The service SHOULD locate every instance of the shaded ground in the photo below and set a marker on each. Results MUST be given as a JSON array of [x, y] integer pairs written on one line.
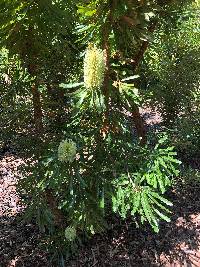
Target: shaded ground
[[177, 244], [18, 241]]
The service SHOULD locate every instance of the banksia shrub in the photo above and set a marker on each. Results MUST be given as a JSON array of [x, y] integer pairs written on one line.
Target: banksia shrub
[[67, 151], [94, 67]]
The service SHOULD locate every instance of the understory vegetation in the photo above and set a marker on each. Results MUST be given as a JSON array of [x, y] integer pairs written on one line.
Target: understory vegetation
[[76, 78]]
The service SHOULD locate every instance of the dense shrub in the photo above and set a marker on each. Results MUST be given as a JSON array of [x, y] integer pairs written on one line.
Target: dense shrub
[[71, 89]]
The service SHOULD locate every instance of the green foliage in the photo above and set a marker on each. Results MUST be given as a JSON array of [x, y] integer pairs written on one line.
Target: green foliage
[[15, 97], [173, 62], [186, 134], [38, 49], [88, 186], [33, 20], [141, 192]]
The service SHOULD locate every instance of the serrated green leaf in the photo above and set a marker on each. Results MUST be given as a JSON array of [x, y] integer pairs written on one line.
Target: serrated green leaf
[[161, 184], [136, 203], [161, 215], [161, 161], [130, 78], [169, 158], [148, 211], [70, 85], [158, 203], [82, 97], [114, 202], [164, 200]]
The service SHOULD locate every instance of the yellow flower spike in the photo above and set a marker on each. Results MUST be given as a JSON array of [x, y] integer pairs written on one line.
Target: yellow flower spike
[[94, 67]]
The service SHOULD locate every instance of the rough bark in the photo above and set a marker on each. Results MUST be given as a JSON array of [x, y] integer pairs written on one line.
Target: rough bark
[[106, 46], [139, 56], [139, 125], [106, 79], [36, 98]]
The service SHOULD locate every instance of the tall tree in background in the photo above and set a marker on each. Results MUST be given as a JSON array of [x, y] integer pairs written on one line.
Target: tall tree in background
[[35, 30]]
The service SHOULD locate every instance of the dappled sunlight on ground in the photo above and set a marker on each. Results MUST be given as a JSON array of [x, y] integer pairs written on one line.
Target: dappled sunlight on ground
[[10, 202], [18, 240], [177, 244]]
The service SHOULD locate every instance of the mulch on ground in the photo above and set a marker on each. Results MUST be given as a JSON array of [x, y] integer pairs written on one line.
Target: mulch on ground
[[177, 243]]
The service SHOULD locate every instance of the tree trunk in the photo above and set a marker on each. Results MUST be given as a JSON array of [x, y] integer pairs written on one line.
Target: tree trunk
[[139, 56], [139, 125], [138, 120], [37, 105], [106, 46], [106, 79]]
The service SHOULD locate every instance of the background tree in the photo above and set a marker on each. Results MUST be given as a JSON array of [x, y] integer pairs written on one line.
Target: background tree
[[38, 32]]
